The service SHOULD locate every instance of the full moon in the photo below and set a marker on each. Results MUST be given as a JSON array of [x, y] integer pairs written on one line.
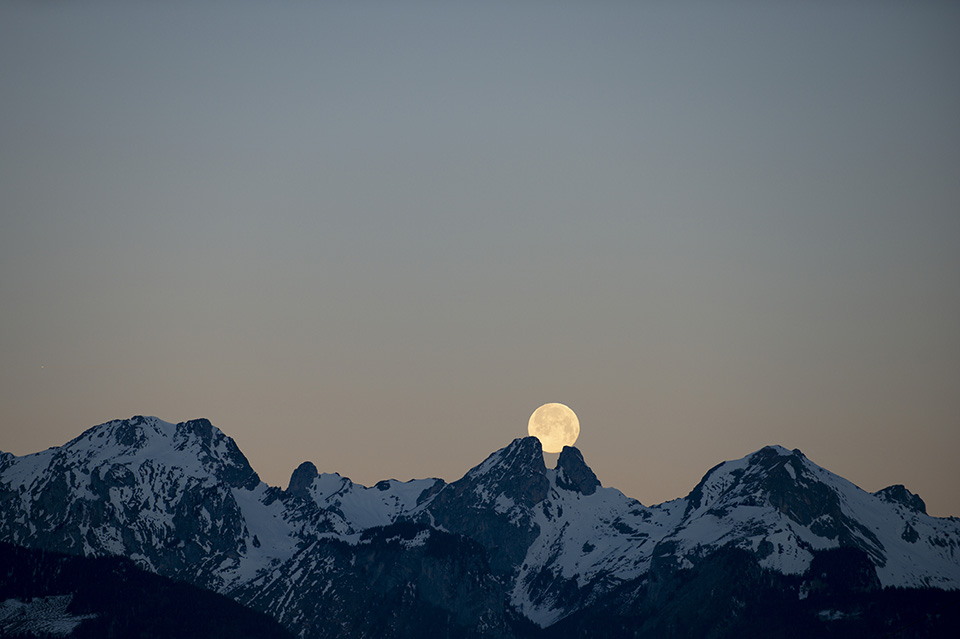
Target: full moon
[[555, 425]]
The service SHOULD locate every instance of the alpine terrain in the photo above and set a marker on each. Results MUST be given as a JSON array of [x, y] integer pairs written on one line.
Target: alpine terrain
[[767, 544]]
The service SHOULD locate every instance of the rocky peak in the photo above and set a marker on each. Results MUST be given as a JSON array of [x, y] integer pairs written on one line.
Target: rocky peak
[[492, 503], [199, 430], [899, 494], [129, 433], [772, 475], [196, 445], [770, 470], [216, 451], [775, 458], [516, 472], [522, 452], [798, 489], [574, 474], [302, 478], [508, 528]]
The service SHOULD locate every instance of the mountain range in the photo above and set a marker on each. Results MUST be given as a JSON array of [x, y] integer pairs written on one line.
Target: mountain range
[[770, 542]]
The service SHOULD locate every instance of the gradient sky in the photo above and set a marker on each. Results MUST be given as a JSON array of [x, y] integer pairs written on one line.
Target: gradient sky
[[378, 235]]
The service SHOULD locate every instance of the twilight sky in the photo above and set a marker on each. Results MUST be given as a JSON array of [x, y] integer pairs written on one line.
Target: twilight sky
[[378, 235]]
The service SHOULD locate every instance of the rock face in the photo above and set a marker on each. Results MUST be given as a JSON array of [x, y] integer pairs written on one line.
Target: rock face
[[302, 478], [898, 494], [493, 503], [509, 547], [142, 488], [404, 580], [574, 474]]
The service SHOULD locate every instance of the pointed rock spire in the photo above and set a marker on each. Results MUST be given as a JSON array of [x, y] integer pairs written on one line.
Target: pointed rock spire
[[574, 474], [302, 478], [516, 471]]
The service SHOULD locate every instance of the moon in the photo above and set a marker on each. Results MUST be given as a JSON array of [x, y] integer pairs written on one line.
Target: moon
[[555, 425]]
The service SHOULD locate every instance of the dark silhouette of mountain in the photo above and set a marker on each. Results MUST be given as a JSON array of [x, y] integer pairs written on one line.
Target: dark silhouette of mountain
[[512, 549], [45, 593]]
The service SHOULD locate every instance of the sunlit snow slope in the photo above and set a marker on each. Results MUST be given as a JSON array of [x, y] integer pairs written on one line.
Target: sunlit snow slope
[[182, 500]]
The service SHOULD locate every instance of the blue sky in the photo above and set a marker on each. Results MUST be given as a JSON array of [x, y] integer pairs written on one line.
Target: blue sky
[[379, 235]]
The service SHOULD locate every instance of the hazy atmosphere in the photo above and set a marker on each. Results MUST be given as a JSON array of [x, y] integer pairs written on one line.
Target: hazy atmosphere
[[377, 236]]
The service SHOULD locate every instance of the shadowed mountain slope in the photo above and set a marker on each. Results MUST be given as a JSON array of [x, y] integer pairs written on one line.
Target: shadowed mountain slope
[[509, 547]]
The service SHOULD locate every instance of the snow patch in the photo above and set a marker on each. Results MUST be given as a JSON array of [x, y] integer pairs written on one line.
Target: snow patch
[[39, 616]]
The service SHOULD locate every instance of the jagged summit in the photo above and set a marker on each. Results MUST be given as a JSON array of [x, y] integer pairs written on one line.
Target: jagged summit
[[182, 501], [783, 507], [196, 446], [770, 469], [574, 474], [301, 479], [139, 487], [899, 494], [493, 502], [523, 453], [516, 472], [123, 435], [777, 478]]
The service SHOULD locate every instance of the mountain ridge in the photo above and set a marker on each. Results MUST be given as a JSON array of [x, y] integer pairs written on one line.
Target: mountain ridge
[[534, 543]]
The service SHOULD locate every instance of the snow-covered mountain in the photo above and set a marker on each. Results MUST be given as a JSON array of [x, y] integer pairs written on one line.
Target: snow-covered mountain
[[510, 543], [781, 506]]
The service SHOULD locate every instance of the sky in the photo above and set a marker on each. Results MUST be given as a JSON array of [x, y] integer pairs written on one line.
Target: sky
[[377, 236]]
